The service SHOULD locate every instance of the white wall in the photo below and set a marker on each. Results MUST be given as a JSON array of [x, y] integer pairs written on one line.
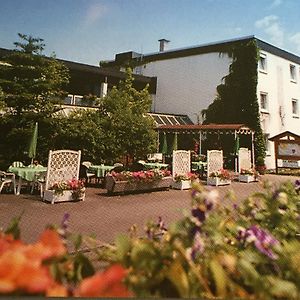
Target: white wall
[[187, 85], [280, 89]]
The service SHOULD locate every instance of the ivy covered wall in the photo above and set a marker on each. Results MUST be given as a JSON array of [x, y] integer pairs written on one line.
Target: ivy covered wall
[[236, 100]]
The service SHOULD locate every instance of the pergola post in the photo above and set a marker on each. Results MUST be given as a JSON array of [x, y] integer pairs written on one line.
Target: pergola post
[[200, 142], [252, 148]]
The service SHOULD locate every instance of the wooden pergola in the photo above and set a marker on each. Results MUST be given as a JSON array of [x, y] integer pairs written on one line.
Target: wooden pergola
[[201, 130]]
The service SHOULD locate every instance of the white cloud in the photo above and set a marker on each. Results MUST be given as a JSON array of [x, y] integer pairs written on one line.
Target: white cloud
[[276, 3], [295, 39], [271, 26], [94, 12]]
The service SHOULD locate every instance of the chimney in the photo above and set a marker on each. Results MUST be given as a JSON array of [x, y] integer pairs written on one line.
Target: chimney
[[162, 44]]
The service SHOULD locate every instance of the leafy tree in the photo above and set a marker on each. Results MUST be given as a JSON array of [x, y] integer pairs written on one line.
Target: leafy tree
[[31, 85], [236, 101], [131, 128], [119, 126]]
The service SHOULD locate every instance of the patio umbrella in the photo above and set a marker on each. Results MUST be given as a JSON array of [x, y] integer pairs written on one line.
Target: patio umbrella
[[33, 142], [174, 144], [236, 145], [164, 147], [236, 152]]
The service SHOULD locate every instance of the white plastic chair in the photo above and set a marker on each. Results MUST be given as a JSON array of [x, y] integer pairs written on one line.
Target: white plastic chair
[[214, 162], [88, 174], [181, 163], [63, 165], [17, 164], [244, 159], [155, 157], [7, 179]]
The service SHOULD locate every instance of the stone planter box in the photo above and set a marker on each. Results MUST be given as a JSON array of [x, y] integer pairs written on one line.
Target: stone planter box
[[181, 185], [115, 187], [50, 196], [216, 181], [246, 178]]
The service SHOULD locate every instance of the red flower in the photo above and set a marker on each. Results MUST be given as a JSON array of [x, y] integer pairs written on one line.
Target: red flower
[[106, 284]]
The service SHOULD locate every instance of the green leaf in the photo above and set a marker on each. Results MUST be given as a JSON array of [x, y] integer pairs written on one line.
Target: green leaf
[[284, 289], [14, 228], [83, 267], [123, 245], [248, 272], [219, 277], [177, 275]]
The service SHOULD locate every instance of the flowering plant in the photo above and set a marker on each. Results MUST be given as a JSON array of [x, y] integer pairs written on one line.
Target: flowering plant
[[140, 176], [188, 176], [246, 251], [223, 174], [248, 172], [74, 185], [45, 268]]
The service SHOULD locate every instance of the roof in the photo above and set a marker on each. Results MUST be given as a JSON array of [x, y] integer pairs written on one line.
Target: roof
[[287, 134], [169, 119], [205, 48], [75, 66], [239, 128]]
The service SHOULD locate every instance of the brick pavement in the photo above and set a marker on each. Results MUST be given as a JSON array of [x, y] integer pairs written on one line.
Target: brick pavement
[[105, 215]]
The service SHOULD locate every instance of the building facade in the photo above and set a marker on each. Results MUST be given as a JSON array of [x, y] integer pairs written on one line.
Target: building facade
[[187, 80]]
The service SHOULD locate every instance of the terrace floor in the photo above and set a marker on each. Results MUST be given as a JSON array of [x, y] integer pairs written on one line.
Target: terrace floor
[[105, 216]]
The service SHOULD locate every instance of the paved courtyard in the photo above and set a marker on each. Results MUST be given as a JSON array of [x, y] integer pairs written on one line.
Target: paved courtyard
[[105, 216]]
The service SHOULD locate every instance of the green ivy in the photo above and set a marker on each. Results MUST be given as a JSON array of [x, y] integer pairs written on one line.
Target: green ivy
[[236, 101]]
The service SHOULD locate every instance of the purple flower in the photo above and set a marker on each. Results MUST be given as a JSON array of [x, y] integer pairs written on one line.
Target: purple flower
[[198, 214], [263, 240], [161, 224], [65, 221], [198, 246]]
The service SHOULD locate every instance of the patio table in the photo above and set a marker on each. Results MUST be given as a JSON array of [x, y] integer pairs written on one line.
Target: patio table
[[149, 165], [100, 170], [26, 173]]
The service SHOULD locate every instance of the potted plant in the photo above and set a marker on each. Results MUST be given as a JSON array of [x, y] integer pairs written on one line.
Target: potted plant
[[67, 190], [260, 165], [248, 175], [221, 177], [183, 182], [126, 181]]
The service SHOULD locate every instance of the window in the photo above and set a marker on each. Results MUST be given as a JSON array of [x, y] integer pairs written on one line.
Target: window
[[68, 99], [293, 75], [77, 100], [262, 63], [264, 102], [267, 142], [295, 108]]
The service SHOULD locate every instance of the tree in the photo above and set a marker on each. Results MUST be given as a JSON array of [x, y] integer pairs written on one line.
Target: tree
[[127, 121], [31, 82], [236, 100], [31, 85]]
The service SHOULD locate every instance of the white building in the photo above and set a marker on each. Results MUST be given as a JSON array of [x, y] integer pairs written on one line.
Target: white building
[[187, 80]]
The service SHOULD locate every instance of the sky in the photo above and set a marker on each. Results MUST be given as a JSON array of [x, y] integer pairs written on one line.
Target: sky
[[88, 31]]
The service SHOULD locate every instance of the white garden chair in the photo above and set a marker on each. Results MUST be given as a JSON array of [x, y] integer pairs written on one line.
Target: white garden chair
[[244, 162], [181, 164], [155, 157], [214, 162], [244, 159], [7, 179], [63, 165]]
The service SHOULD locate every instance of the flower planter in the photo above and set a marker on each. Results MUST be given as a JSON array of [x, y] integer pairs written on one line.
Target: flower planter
[[246, 178], [181, 185], [114, 187], [217, 181], [50, 196]]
